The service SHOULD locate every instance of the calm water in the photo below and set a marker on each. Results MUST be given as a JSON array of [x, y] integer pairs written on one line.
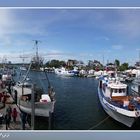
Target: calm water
[[77, 106]]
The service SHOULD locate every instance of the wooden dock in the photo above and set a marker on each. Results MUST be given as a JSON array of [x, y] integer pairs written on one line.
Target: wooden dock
[[13, 125]]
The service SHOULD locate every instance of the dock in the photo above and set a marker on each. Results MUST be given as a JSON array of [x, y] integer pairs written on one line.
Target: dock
[[13, 125]]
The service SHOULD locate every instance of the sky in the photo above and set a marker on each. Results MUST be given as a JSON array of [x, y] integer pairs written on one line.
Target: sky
[[70, 3], [82, 34]]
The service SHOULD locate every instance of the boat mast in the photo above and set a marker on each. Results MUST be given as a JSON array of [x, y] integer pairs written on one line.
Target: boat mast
[[36, 58], [36, 47], [36, 44]]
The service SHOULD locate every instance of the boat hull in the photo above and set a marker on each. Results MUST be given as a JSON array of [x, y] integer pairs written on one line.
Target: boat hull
[[126, 120], [41, 109]]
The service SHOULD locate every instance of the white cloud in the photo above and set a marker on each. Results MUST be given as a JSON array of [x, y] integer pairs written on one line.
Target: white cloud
[[57, 54], [117, 47], [11, 25], [127, 23], [102, 38], [6, 24]]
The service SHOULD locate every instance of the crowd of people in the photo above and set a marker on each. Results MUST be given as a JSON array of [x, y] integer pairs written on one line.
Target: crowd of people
[[10, 115]]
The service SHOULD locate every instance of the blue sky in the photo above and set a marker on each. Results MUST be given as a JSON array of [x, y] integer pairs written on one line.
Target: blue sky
[[82, 34], [69, 3]]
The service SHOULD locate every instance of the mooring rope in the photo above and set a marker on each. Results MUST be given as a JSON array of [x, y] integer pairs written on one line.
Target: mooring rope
[[93, 127]]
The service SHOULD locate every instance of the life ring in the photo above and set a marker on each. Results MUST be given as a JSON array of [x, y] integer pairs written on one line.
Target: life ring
[[137, 114]]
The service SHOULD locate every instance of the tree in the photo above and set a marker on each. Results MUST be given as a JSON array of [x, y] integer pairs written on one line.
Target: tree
[[124, 67], [117, 63], [55, 63]]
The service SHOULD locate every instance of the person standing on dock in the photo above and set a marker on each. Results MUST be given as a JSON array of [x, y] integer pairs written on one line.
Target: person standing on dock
[[7, 120], [4, 99], [14, 115], [9, 88], [15, 98], [9, 110], [23, 119]]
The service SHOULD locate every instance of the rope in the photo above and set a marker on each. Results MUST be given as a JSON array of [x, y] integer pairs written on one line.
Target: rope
[[93, 127]]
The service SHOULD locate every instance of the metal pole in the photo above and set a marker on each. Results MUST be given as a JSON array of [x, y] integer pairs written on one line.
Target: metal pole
[[33, 108], [23, 89], [49, 84], [50, 121]]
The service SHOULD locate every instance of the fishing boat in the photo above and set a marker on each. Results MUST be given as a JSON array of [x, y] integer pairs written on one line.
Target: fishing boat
[[44, 103], [117, 103], [31, 98]]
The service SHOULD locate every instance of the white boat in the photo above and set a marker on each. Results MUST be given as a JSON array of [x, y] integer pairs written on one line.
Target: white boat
[[44, 103], [63, 72], [6, 77], [22, 68], [116, 103]]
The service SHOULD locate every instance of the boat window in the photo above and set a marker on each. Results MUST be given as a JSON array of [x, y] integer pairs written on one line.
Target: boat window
[[27, 86], [123, 90], [115, 90], [120, 90]]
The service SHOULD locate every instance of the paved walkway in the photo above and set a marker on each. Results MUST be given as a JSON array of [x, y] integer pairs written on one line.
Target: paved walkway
[[13, 126]]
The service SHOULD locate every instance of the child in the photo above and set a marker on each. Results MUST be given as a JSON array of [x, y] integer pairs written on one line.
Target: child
[[14, 115]]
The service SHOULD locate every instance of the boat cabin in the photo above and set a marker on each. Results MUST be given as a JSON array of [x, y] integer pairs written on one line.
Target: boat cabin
[[114, 89], [24, 84]]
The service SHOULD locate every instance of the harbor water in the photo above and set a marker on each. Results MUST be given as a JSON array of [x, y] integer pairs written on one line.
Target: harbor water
[[77, 106]]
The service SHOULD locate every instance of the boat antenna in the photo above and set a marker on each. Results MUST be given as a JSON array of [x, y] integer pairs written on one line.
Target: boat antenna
[[36, 45]]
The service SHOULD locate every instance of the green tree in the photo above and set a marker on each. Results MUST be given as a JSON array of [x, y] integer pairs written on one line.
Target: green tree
[[117, 63], [124, 67], [55, 63]]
